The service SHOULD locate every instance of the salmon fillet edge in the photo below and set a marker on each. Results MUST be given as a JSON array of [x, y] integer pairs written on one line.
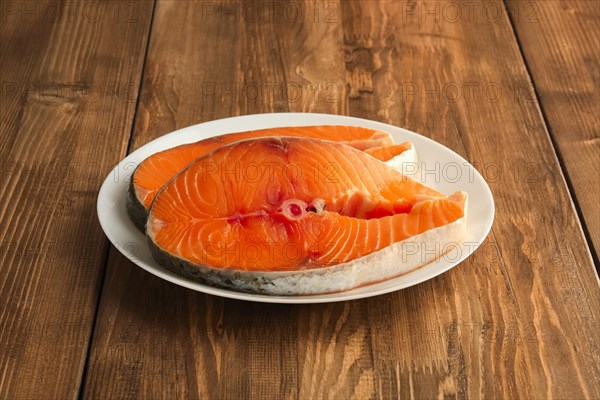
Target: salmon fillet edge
[[395, 260]]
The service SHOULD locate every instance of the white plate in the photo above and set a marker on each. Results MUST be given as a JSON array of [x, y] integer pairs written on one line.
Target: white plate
[[440, 168]]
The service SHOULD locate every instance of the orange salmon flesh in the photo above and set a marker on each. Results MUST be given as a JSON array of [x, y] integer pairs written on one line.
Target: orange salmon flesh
[[286, 204], [155, 171]]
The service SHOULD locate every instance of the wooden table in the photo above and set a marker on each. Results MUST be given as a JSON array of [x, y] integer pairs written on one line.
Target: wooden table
[[513, 86]]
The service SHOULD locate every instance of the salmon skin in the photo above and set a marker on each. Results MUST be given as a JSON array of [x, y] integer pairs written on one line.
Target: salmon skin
[[155, 171], [259, 212]]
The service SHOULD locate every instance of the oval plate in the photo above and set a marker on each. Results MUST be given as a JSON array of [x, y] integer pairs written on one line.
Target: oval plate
[[439, 167]]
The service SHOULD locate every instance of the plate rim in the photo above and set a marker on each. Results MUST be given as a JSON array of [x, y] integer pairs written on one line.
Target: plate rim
[[262, 119]]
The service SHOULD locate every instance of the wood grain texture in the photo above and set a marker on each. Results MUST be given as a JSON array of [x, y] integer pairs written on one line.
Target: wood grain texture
[[560, 41], [69, 77], [513, 321], [510, 329]]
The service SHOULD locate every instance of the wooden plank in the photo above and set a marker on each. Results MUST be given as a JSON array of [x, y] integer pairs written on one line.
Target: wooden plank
[[560, 41], [69, 75], [514, 321]]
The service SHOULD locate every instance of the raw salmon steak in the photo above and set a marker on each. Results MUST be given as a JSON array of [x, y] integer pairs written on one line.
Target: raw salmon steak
[[155, 171], [298, 216]]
